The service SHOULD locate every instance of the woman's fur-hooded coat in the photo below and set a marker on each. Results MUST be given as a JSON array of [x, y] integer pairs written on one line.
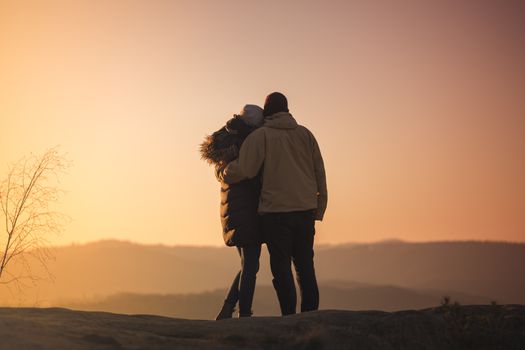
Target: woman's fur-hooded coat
[[240, 222]]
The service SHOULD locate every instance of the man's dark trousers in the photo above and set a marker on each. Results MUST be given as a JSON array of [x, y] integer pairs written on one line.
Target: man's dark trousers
[[290, 238]]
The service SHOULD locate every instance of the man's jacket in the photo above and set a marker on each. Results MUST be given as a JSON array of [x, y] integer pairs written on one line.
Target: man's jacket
[[292, 168]]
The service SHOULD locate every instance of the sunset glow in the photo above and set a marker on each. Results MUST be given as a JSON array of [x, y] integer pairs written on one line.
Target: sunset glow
[[419, 110]]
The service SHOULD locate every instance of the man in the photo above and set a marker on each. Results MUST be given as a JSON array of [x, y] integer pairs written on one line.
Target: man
[[293, 196]]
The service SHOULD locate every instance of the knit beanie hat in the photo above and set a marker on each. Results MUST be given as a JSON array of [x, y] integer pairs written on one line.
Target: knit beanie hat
[[252, 115], [275, 103]]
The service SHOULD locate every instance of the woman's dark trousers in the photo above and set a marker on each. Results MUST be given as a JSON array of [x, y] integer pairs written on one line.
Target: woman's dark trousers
[[243, 285], [290, 238]]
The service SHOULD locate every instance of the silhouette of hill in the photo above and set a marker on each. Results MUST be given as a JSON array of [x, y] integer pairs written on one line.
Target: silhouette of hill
[[488, 269], [333, 296], [480, 268], [447, 327]]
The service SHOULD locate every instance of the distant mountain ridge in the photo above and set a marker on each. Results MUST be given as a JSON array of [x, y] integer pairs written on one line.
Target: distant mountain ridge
[[487, 269], [334, 295]]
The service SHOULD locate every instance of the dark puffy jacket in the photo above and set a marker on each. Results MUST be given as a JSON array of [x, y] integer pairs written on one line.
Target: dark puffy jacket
[[240, 222]]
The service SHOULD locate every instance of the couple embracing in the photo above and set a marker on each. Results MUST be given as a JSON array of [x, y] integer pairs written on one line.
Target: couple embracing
[[273, 188]]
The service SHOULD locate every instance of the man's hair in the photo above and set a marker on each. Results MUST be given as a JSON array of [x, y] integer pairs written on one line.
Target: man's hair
[[275, 103]]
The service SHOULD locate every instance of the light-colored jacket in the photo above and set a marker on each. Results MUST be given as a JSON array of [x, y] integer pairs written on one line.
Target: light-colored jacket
[[287, 154]]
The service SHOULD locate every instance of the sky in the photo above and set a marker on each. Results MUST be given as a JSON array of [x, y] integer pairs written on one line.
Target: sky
[[418, 107]]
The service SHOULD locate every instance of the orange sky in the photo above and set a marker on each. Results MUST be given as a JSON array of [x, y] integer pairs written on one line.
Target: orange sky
[[419, 108]]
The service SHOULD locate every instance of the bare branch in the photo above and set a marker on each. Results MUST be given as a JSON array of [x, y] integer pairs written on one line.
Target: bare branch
[[25, 198]]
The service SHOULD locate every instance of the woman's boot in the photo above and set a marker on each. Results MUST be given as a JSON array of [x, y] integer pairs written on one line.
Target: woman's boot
[[226, 311]]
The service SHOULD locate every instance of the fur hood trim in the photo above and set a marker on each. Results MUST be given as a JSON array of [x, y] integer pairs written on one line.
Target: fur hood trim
[[214, 153]]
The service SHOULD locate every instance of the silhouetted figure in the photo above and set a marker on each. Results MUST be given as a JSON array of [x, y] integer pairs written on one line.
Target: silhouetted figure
[[240, 221], [293, 196]]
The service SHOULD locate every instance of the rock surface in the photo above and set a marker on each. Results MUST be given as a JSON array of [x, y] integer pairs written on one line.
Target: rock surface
[[447, 327]]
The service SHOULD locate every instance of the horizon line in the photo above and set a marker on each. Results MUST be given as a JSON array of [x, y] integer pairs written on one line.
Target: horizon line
[[383, 241]]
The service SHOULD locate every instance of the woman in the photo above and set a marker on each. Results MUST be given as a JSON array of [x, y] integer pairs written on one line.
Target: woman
[[239, 218]]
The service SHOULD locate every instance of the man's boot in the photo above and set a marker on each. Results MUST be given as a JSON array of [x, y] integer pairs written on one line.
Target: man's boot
[[246, 315]]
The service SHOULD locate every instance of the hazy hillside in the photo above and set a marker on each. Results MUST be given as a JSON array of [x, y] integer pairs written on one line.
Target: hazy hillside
[[492, 270], [333, 296], [481, 268]]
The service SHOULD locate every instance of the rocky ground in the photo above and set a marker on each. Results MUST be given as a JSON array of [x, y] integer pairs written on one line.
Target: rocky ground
[[446, 327]]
